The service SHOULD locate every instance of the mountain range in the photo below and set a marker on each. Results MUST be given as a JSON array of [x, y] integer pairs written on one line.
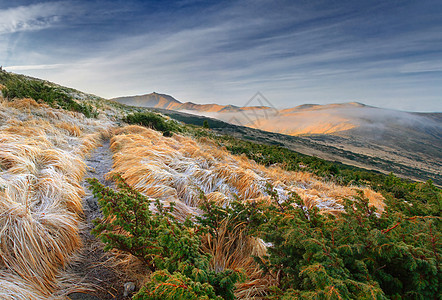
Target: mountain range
[[164, 101]]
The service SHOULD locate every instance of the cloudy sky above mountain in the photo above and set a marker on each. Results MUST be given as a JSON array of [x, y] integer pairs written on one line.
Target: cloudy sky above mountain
[[381, 53]]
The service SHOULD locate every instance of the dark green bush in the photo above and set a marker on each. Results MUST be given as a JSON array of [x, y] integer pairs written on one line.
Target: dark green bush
[[167, 133], [169, 249], [154, 121], [206, 124], [164, 285], [17, 86], [356, 255]]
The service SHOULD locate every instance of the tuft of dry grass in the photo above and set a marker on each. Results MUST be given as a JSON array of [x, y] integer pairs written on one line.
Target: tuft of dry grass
[[233, 249], [26, 103], [374, 198], [41, 166], [72, 129]]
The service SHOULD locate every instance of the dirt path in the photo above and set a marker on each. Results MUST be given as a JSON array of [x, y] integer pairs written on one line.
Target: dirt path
[[92, 263]]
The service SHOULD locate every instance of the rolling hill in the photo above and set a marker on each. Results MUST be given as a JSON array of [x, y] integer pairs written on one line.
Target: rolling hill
[[409, 144]]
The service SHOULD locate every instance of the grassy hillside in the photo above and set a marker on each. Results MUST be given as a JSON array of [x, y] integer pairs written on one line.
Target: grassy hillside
[[238, 206], [41, 166], [319, 146], [408, 144], [200, 215]]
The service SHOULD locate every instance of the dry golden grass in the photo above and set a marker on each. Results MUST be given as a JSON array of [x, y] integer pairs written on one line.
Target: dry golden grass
[[13, 287], [70, 128], [232, 249], [41, 166], [26, 103], [375, 198], [178, 169]]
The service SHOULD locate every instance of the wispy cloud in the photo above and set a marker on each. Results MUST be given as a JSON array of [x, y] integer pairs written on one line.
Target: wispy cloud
[[32, 17], [35, 67], [421, 67], [293, 52]]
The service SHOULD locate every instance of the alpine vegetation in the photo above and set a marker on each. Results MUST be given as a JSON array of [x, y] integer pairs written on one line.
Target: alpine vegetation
[[193, 214], [188, 174], [41, 166]]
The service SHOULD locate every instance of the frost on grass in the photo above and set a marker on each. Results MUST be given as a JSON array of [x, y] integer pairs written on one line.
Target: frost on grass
[[179, 170], [41, 165]]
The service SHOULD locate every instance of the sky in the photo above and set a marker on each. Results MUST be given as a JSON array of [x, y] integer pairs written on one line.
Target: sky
[[380, 53]]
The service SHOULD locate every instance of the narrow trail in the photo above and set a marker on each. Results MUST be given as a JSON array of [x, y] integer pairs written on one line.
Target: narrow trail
[[92, 263]]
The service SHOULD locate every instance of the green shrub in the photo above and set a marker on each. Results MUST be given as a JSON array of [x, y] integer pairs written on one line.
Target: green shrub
[[167, 133], [17, 86], [169, 249], [206, 124], [359, 254], [154, 121], [356, 255], [164, 285]]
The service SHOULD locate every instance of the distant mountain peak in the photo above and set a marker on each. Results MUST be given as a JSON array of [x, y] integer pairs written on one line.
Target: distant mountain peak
[[158, 100], [358, 104], [306, 106], [153, 99]]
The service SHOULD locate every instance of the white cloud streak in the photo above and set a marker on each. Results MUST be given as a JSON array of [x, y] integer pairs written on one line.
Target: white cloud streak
[[32, 17], [34, 67], [421, 67]]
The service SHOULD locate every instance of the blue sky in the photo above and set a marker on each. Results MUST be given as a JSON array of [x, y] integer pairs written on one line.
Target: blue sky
[[381, 53]]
